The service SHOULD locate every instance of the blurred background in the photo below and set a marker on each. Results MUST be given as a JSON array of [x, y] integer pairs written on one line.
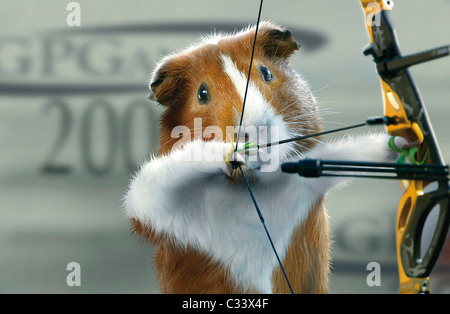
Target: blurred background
[[75, 123]]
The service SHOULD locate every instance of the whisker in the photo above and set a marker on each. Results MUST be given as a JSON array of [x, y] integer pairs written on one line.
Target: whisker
[[325, 86], [290, 105]]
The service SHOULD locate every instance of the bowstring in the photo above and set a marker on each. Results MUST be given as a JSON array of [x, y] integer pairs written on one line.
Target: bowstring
[[261, 218], [249, 72]]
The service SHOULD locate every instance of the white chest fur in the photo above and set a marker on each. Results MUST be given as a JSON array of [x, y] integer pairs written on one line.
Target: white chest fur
[[230, 230]]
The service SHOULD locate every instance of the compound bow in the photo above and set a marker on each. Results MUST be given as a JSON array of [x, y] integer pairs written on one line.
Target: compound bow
[[402, 102]]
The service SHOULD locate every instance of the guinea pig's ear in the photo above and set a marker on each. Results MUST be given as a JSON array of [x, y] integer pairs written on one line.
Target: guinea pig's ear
[[165, 81], [155, 80], [276, 41]]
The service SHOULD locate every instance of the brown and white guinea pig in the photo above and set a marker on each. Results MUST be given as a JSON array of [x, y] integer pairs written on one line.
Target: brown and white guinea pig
[[196, 209]]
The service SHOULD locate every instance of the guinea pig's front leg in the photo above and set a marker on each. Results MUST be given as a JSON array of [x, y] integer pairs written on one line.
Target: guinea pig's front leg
[[176, 179], [369, 148]]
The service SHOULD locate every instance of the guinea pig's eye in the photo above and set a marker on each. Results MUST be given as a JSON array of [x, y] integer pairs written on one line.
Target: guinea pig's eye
[[203, 94], [266, 74]]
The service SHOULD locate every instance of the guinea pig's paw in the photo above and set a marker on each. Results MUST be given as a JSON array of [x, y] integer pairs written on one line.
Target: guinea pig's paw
[[400, 142], [220, 157], [232, 160], [397, 144]]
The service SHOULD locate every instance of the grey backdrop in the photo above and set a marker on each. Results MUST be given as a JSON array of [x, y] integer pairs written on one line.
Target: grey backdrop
[[75, 121]]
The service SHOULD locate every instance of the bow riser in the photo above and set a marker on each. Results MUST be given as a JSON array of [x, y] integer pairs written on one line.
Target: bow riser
[[403, 102]]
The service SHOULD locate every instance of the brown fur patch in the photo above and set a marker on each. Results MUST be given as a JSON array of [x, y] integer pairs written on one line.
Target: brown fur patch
[[185, 270]]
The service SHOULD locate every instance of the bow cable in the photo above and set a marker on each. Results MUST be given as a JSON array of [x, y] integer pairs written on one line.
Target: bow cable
[[371, 121]]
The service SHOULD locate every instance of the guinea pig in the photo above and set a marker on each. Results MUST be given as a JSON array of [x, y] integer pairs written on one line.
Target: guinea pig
[[195, 208]]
